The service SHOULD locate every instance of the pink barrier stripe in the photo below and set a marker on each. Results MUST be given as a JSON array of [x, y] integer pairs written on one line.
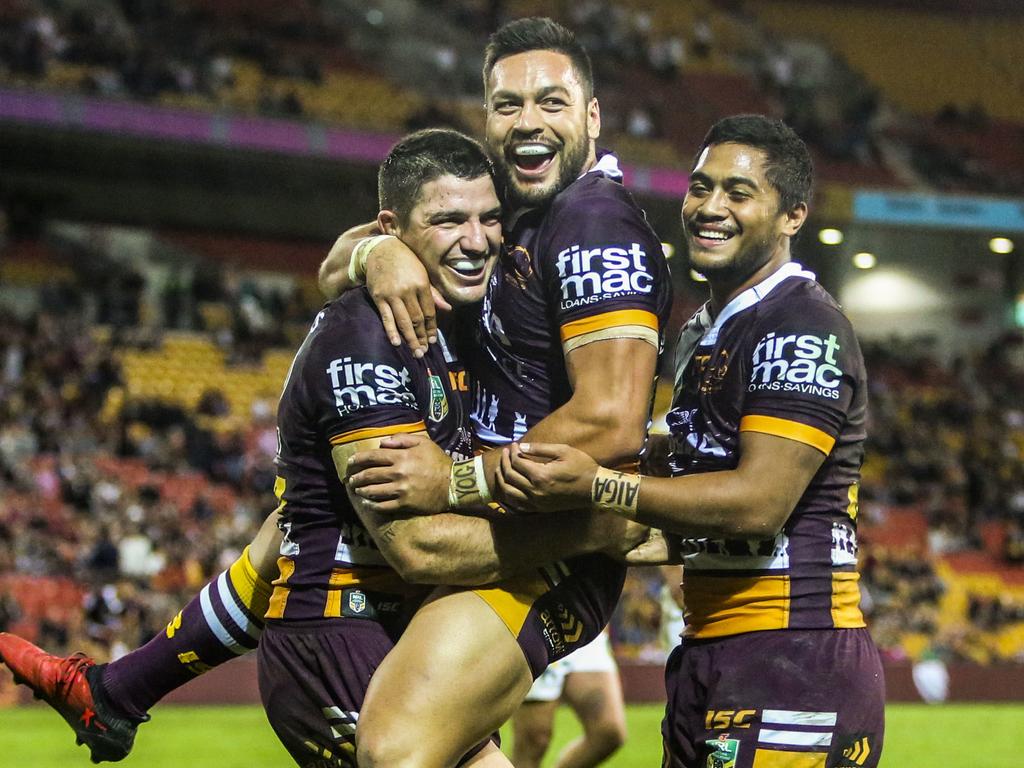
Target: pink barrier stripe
[[356, 145], [263, 133], [145, 120], [30, 107], [244, 132]]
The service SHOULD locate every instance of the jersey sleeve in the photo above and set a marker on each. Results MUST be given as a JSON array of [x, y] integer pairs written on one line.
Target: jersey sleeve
[[604, 271], [360, 386], [804, 368]]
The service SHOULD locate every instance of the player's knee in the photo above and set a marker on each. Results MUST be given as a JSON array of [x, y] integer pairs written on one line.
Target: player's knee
[[531, 743], [380, 749], [607, 736], [374, 751]]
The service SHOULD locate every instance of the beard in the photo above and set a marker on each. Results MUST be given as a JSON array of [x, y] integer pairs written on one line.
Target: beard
[[571, 161], [738, 269]]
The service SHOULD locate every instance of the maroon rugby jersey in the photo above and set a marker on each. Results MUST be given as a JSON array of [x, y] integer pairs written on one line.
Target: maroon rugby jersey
[[348, 383], [589, 262], [782, 359]]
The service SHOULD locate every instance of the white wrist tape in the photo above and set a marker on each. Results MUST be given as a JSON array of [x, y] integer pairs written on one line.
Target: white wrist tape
[[468, 484], [615, 492], [362, 250]]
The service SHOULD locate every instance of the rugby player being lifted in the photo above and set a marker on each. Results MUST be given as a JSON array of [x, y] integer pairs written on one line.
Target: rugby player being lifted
[[343, 595], [346, 588]]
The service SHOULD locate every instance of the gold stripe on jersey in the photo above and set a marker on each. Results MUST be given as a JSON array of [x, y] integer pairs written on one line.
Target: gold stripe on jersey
[[846, 600], [717, 606], [853, 496], [342, 578], [513, 599], [781, 758], [280, 486], [371, 432], [792, 430], [623, 324], [279, 599]]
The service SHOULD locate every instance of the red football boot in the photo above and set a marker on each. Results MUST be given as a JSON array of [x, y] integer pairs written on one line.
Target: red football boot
[[70, 684]]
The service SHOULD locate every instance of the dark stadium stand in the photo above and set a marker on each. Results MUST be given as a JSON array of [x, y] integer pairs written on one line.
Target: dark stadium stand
[[827, 74]]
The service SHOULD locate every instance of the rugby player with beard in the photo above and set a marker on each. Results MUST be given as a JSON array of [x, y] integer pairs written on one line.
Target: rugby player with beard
[[565, 348]]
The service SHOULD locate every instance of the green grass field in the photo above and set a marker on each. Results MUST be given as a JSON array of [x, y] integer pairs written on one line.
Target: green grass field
[[917, 736]]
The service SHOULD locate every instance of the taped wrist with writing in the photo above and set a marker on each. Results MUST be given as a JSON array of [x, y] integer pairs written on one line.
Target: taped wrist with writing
[[615, 492], [467, 486]]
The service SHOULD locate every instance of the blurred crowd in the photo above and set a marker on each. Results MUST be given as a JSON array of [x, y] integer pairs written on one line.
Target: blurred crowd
[[111, 517], [192, 53], [949, 439], [144, 49]]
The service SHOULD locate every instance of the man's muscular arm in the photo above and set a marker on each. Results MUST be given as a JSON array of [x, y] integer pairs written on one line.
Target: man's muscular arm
[[467, 551], [752, 501], [332, 278], [607, 415]]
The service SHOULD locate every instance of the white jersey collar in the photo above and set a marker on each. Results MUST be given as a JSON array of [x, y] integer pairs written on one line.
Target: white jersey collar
[[607, 165], [751, 296]]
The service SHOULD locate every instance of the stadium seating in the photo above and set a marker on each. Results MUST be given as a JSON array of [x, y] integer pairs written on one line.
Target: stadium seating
[[958, 61], [187, 365]]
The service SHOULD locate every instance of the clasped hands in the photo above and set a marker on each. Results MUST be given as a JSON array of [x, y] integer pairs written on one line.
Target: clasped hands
[[409, 475]]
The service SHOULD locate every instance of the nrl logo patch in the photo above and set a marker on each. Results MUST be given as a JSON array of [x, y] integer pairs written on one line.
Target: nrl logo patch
[[356, 601], [722, 752], [438, 401]]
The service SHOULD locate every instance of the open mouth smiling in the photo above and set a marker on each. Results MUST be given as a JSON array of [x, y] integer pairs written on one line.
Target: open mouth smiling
[[468, 268], [710, 236], [532, 158]]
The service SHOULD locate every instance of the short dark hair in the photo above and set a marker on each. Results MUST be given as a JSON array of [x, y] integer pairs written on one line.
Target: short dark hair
[[789, 168], [421, 157], [538, 33]]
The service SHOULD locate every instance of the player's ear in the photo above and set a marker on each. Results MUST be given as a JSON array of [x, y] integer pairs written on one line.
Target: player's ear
[[387, 221], [795, 218], [593, 119]]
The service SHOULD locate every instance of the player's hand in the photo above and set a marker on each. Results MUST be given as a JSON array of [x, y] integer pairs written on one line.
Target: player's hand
[[545, 477], [654, 550], [628, 535], [408, 474], [401, 289]]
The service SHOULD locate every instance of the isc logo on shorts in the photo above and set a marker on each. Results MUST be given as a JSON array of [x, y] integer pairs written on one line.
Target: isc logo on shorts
[[596, 272], [358, 385], [805, 364]]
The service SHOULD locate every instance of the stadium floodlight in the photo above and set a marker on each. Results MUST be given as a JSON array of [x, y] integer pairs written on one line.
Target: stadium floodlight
[[864, 260], [697, 276], [1000, 245], [830, 236], [668, 249]]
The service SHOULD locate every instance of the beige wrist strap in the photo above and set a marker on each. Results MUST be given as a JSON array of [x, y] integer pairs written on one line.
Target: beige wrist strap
[[615, 492], [467, 486], [362, 250]]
